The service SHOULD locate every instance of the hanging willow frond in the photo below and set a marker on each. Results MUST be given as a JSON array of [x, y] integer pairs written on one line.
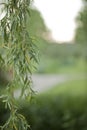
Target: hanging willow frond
[[18, 55]]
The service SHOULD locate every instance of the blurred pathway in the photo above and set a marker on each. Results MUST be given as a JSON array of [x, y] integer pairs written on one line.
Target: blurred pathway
[[46, 81]]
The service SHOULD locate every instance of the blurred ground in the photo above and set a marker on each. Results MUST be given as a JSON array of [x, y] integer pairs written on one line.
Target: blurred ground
[[42, 82]]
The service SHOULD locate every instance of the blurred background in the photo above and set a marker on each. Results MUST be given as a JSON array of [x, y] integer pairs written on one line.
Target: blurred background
[[59, 29]]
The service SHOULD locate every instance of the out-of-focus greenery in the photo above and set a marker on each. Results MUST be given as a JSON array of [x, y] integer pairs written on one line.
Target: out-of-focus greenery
[[60, 110], [35, 24], [73, 88], [63, 107], [81, 31], [56, 66], [55, 58], [64, 58]]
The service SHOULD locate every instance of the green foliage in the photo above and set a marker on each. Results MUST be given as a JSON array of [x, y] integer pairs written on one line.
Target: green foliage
[[17, 56], [61, 58], [65, 109], [36, 24], [81, 31]]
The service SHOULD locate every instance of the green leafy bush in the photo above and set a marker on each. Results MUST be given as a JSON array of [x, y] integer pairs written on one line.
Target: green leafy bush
[[64, 108], [55, 113]]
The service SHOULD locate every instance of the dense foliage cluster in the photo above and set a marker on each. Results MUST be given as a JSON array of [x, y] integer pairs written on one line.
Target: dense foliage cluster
[[17, 54], [55, 113]]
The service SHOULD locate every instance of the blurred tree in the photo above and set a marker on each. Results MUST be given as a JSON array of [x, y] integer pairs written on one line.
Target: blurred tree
[[36, 23], [81, 30]]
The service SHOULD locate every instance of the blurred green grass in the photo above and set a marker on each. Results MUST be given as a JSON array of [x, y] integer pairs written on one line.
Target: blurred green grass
[[68, 66], [61, 58]]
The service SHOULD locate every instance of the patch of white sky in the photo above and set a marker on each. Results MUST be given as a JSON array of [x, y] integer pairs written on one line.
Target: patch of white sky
[[59, 17]]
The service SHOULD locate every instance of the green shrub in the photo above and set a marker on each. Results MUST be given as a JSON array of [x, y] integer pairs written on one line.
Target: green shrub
[[57, 113], [53, 113], [63, 108]]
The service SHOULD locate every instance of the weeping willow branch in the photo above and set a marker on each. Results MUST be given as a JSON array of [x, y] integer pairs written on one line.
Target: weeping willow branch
[[17, 55]]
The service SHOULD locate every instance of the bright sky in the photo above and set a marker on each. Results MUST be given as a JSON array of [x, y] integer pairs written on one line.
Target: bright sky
[[59, 16]]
